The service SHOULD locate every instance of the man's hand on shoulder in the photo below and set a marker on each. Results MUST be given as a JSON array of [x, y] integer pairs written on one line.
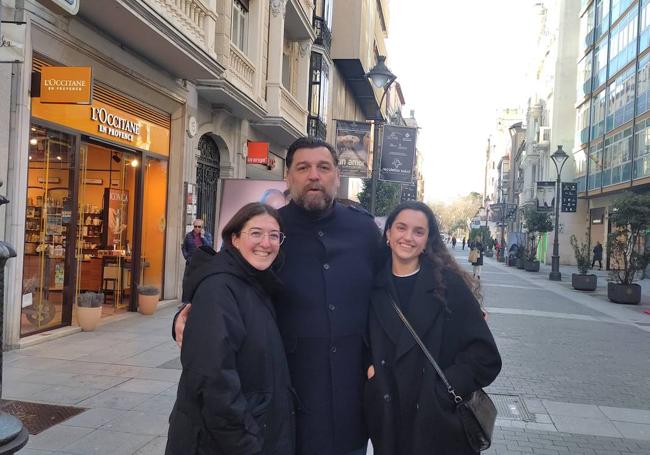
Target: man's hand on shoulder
[[179, 325]]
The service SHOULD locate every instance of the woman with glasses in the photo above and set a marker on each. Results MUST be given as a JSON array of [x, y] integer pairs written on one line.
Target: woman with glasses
[[234, 394]]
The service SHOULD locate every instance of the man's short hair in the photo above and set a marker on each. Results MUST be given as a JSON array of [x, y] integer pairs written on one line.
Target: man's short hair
[[309, 143]]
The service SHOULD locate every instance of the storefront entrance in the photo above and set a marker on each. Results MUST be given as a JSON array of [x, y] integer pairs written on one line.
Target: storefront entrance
[[95, 222]]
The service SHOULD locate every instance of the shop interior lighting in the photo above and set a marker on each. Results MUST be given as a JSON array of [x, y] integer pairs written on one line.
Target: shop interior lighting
[[33, 141], [134, 163], [58, 157]]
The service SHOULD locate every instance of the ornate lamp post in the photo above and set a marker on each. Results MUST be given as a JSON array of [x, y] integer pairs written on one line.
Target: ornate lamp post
[[382, 78], [559, 159], [13, 435]]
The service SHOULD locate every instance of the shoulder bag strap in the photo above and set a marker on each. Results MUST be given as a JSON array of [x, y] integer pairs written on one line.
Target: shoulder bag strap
[[427, 354]]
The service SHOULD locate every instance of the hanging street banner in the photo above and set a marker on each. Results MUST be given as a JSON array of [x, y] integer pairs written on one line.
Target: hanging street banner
[[12, 41], [545, 196], [409, 192], [353, 142], [569, 197], [398, 154]]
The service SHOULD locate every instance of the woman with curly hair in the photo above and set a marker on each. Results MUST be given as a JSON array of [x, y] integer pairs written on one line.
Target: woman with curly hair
[[408, 409]]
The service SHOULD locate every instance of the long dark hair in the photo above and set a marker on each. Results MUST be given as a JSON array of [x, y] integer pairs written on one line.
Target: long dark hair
[[435, 251], [243, 215]]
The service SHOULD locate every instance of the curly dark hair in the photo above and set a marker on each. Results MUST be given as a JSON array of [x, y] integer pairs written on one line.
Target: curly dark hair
[[435, 251]]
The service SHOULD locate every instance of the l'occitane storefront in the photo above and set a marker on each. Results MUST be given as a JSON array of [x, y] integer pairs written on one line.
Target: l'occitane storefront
[[96, 201]]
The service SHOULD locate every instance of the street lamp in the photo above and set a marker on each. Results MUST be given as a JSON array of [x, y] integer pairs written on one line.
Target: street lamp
[[382, 78], [504, 207], [559, 159]]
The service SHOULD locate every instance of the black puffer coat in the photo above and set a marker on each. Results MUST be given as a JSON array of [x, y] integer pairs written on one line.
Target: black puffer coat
[[234, 395], [408, 409]]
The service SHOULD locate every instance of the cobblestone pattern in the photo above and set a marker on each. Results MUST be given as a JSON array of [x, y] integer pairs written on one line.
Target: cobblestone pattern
[[573, 361], [513, 441]]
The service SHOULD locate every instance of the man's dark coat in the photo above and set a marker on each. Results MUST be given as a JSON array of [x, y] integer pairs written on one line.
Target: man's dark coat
[[322, 314], [408, 409], [234, 395]]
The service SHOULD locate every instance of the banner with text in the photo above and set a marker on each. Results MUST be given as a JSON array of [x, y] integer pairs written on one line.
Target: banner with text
[[353, 148], [398, 154]]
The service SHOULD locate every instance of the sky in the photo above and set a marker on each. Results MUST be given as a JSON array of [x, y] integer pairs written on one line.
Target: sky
[[457, 63]]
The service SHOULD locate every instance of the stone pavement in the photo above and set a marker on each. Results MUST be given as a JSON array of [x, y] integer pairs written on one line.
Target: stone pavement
[[576, 376]]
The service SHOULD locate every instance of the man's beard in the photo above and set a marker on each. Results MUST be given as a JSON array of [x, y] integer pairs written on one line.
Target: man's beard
[[313, 202]]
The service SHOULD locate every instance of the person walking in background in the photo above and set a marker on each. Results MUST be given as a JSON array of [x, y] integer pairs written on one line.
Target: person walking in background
[[234, 394], [408, 409], [463, 243], [598, 256], [478, 263], [194, 239], [453, 242]]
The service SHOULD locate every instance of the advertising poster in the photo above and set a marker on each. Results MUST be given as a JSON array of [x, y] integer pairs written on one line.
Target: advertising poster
[[116, 203], [235, 193], [398, 154], [545, 196], [353, 143], [569, 197]]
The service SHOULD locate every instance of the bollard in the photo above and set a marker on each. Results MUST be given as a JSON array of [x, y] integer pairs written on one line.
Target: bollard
[[13, 435]]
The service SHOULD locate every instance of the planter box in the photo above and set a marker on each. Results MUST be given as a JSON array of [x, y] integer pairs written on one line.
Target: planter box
[[521, 264], [532, 266], [582, 282], [88, 318], [147, 304], [624, 293]]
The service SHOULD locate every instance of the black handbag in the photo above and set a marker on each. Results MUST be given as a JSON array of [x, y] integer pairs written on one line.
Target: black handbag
[[478, 413]]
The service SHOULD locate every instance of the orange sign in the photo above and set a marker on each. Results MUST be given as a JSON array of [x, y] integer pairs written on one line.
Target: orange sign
[[258, 153], [106, 122], [66, 84]]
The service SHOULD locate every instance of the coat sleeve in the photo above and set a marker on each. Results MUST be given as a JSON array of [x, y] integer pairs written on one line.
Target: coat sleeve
[[476, 361], [214, 333], [184, 247]]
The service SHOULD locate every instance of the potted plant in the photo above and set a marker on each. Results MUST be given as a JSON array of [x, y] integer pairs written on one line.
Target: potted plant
[[537, 223], [630, 217], [89, 310], [521, 257], [582, 281], [148, 296]]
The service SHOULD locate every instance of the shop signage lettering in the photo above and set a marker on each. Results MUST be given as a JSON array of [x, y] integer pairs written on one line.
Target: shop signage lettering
[[66, 84], [114, 125]]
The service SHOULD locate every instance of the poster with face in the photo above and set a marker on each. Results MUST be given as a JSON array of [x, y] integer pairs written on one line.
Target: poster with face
[[545, 196], [353, 148], [235, 193]]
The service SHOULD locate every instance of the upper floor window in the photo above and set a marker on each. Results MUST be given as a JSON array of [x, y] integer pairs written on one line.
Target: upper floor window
[[239, 32], [587, 29], [602, 17]]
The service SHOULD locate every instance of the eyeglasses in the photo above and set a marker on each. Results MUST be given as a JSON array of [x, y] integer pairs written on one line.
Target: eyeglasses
[[198, 226], [256, 235]]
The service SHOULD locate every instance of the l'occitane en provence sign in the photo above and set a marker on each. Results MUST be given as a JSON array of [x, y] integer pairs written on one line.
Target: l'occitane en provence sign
[[66, 84], [106, 122]]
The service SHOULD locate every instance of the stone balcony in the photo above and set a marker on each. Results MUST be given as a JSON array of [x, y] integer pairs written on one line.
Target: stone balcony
[[178, 35], [192, 18]]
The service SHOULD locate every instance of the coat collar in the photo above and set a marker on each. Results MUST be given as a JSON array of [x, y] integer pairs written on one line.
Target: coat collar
[[424, 308]]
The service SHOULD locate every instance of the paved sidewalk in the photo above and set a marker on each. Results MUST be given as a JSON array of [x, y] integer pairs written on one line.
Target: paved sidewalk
[[125, 373]]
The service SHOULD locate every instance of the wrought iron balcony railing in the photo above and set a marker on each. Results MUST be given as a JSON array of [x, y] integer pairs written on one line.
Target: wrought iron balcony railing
[[323, 33], [316, 128]]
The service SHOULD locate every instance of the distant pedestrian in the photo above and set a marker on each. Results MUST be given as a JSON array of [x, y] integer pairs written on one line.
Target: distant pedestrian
[[478, 263], [598, 256], [194, 240], [453, 242], [463, 243]]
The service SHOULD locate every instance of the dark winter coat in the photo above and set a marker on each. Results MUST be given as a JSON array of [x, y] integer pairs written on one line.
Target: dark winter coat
[[479, 246], [598, 252], [407, 407], [330, 264], [234, 395]]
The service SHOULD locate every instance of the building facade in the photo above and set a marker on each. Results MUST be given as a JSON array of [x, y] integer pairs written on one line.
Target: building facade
[[612, 135]]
